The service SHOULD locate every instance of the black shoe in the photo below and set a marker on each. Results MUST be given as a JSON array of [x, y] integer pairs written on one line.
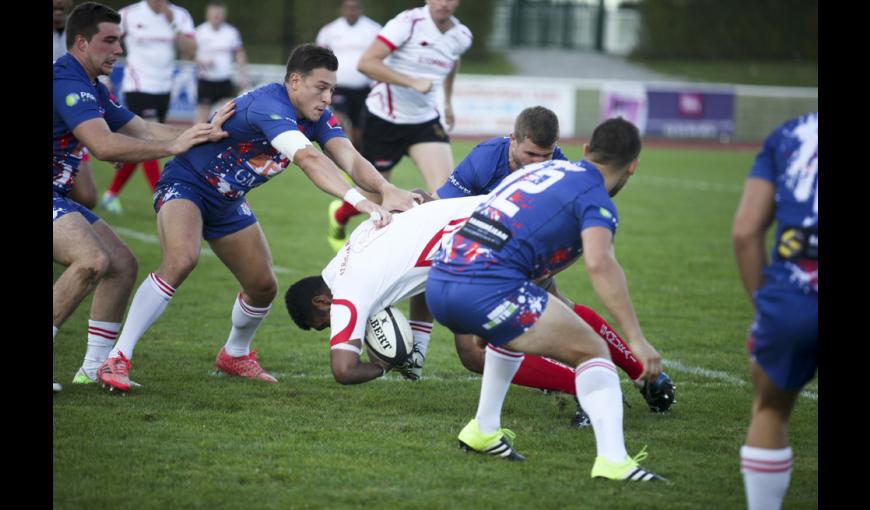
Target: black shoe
[[660, 394], [580, 420]]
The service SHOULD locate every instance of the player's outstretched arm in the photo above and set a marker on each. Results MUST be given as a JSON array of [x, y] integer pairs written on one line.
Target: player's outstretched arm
[[348, 369], [124, 146], [371, 64], [343, 153], [610, 285], [326, 176], [754, 216], [155, 131]]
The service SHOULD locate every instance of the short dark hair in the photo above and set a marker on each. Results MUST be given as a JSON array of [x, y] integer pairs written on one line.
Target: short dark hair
[[614, 142], [85, 19], [308, 57], [298, 299], [538, 124]]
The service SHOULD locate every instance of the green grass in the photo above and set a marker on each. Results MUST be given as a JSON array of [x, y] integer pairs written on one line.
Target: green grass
[[191, 439], [793, 74]]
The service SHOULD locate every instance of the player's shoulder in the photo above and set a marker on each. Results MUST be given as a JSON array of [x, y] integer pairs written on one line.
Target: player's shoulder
[[462, 29], [489, 148], [370, 23]]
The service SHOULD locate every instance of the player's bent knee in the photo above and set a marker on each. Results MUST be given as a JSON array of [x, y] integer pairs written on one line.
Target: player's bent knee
[[94, 266], [263, 290]]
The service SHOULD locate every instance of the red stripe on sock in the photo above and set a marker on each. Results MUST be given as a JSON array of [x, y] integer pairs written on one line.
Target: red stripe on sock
[[762, 469], [505, 352], [594, 364], [107, 337], [95, 329], [344, 213], [165, 287], [249, 310], [539, 372]]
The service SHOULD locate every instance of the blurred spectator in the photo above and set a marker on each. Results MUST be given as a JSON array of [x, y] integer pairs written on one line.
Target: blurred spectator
[[348, 37], [218, 45], [152, 30]]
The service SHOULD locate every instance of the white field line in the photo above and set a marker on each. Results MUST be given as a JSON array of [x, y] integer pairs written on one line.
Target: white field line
[[811, 392], [670, 364], [152, 239]]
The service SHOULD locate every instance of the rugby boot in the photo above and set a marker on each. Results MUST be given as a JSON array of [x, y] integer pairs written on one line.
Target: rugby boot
[[243, 366], [471, 439]]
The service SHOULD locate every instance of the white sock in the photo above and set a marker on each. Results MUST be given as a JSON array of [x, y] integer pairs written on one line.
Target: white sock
[[422, 334], [246, 319], [499, 369], [598, 391], [148, 304], [766, 475], [101, 338]]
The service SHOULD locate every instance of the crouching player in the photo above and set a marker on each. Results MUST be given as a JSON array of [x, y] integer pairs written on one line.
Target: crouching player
[[535, 224]]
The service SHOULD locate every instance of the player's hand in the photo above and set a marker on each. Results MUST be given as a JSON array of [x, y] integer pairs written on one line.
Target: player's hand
[[449, 118], [380, 216], [397, 199], [413, 368], [646, 354], [421, 85], [194, 135], [220, 116]]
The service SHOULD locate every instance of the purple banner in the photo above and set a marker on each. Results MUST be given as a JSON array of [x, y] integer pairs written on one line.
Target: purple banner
[[690, 113]]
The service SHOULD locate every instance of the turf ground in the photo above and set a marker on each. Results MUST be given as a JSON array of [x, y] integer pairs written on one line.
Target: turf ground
[[192, 439]]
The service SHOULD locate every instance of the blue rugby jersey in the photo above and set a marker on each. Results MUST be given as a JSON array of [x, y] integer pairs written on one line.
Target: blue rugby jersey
[[237, 164], [482, 169], [790, 160], [77, 99], [529, 226]]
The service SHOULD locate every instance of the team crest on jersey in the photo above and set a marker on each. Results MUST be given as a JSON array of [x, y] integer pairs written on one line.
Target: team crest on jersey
[[332, 121]]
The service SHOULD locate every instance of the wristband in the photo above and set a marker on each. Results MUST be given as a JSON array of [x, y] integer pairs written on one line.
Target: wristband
[[353, 197]]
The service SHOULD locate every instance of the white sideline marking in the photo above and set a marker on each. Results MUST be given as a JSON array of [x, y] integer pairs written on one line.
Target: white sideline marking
[[722, 376], [152, 239], [690, 184]]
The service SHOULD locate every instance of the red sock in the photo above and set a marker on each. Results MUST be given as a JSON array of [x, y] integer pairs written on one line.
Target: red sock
[[152, 172], [619, 350], [121, 178], [344, 213], [544, 373]]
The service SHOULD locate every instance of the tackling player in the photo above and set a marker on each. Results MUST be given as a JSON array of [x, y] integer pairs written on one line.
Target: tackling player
[[201, 195], [87, 115], [536, 223]]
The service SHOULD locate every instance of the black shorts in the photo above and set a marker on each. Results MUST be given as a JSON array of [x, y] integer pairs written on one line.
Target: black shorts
[[210, 92], [350, 102], [148, 106], [384, 143]]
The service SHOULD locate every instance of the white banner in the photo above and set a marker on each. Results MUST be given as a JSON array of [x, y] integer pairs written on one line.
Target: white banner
[[488, 106]]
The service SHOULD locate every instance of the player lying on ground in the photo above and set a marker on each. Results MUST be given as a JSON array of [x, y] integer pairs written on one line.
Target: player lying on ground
[[378, 268]]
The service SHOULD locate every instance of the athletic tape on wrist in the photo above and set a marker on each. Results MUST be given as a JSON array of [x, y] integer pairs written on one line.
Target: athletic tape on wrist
[[353, 197]]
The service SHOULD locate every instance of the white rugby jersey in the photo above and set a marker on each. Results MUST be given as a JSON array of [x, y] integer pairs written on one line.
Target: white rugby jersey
[[216, 50], [150, 43], [59, 44], [420, 50], [348, 42], [380, 267]]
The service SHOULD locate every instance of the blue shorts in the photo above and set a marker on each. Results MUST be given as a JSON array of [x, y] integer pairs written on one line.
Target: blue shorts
[[220, 217], [784, 338], [64, 205], [496, 311]]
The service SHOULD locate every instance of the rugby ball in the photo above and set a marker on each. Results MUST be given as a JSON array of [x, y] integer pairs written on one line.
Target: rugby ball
[[389, 336]]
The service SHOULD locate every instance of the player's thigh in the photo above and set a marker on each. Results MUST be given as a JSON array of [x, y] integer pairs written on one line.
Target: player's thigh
[[246, 254], [560, 334], [74, 240], [122, 258], [435, 161], [179, 226]]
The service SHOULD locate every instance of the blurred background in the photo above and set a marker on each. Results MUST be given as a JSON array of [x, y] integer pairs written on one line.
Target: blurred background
[[723, 71]]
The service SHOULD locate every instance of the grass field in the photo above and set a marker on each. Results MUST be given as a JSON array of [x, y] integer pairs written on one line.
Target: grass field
[[191, 439]]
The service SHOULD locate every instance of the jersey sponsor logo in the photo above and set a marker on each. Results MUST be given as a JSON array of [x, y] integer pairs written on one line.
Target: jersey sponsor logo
[[435, 62], [332, 122], [605, 213], [487, 232], [72, 99], [500, 314]]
